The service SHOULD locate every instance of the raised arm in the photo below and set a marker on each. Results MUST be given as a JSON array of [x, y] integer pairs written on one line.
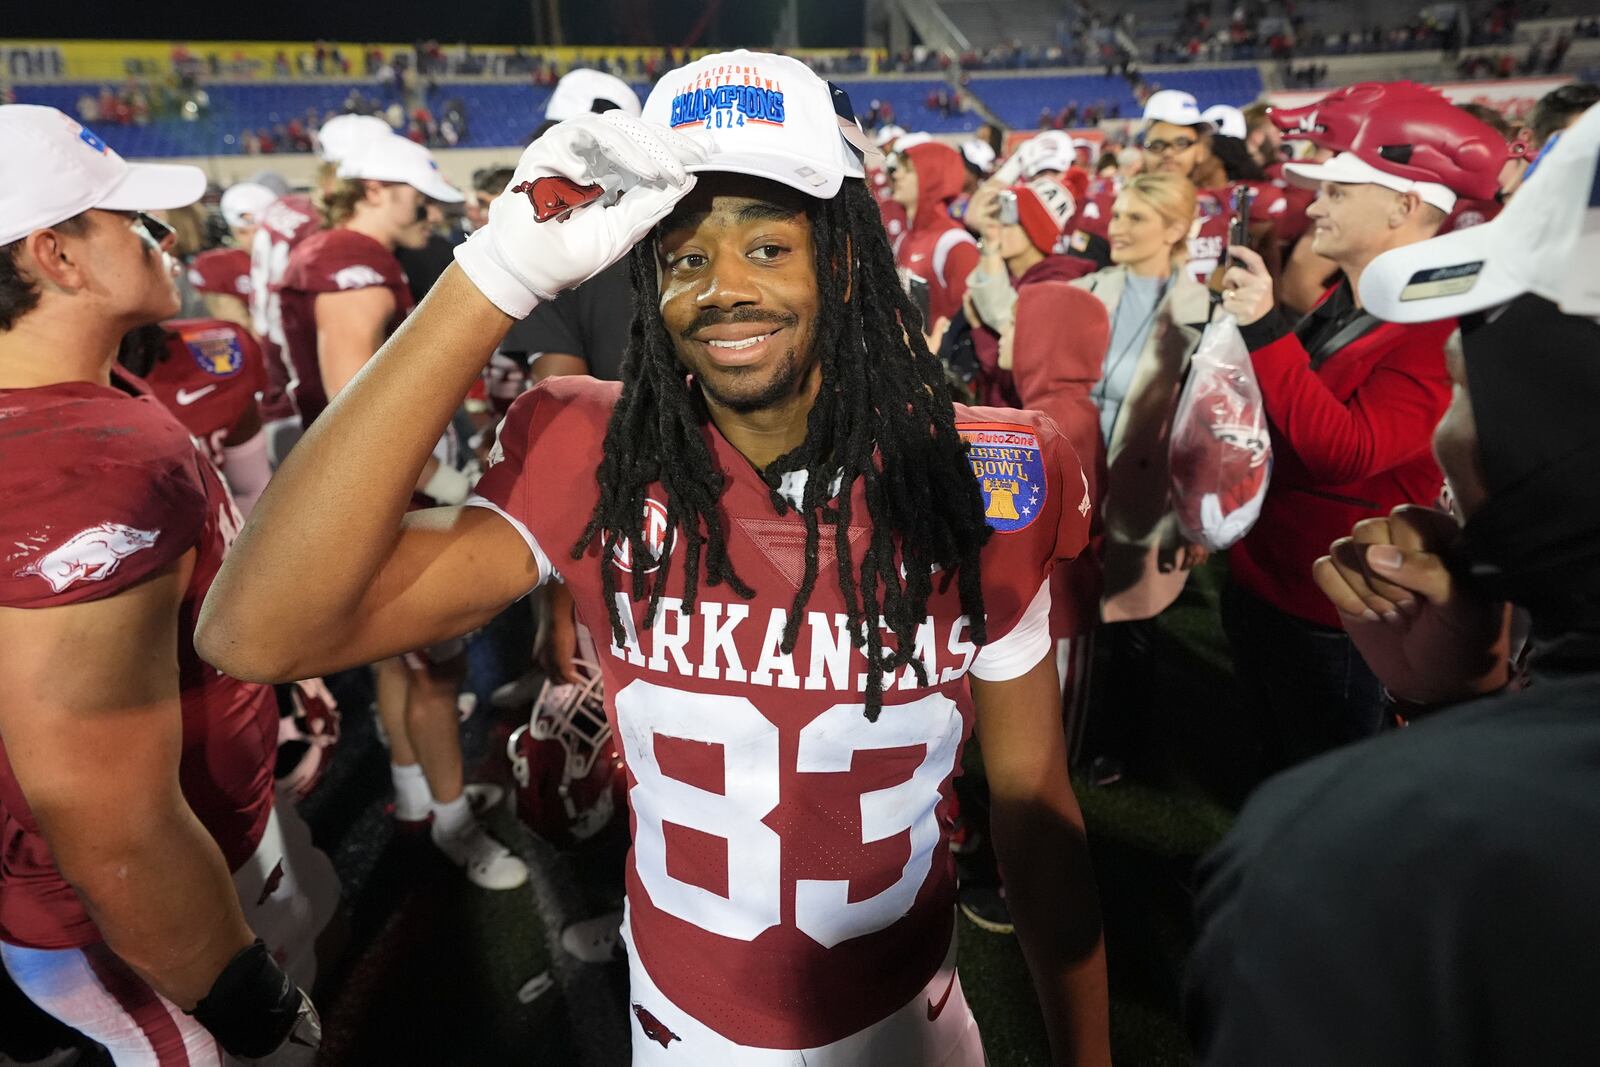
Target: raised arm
[[330, 571]]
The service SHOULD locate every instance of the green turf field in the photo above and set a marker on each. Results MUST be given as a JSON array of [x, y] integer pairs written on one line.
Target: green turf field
[[1145, 835]]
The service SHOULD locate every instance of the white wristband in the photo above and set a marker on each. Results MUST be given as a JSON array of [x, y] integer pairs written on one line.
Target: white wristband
[[448, 485], [503, 289]]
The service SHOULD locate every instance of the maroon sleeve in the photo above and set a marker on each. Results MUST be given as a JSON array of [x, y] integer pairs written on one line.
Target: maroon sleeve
[[1036, 499], [544, 460], [336, 260], [1387, 420], [113, 494], [958, 267]]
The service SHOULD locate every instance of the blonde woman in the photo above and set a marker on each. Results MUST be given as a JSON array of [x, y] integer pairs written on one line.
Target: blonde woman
[[1157, 313]]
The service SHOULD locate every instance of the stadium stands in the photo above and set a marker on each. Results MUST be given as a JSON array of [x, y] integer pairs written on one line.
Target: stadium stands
[[1017, 101], [497, 113]]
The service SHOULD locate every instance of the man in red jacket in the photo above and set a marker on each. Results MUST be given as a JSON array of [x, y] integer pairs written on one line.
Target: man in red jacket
[[1352, 403]]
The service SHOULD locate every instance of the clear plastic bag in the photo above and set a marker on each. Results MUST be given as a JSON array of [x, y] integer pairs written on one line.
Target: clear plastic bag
[[1220, 457]]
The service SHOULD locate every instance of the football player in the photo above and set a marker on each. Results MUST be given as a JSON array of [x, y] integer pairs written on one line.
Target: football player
[[805, 602], [153, 898], [208, 372], [342, 294]]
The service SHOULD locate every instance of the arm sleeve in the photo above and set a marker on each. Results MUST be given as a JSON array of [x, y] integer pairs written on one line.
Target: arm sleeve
[[96, 525], [1388, 420], [1017, 564], [958, 267], [525, 474]]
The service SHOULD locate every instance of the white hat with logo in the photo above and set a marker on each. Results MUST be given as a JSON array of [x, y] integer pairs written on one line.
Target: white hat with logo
[[243, 203], [1545, 242], [1174, 106], [579, 91], [1050, 150], [343, 134], [1227, 120], [764, 115], [396, 159], [53, 168]]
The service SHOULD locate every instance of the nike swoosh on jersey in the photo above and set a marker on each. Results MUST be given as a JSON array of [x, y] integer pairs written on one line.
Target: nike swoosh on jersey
[[935, 1010], [185, 398]]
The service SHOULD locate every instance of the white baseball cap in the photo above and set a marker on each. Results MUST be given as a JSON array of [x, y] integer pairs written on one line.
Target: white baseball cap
[[1227, 120], [888, 134], [396, 159], [765, 115], [579, 90], [1174, 106], [1347, 168], [343, 134], [243, 203], [52, 168], [979, 154], [1050, 150], [1545, 242]]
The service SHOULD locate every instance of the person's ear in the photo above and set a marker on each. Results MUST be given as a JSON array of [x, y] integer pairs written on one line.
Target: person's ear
[[1406, 206], [53, 260]]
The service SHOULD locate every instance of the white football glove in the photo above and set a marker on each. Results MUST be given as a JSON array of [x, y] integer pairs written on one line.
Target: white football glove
[[544, 235]]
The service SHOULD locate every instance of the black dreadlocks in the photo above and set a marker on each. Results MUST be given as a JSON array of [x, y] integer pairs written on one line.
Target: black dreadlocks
[[883, 415]]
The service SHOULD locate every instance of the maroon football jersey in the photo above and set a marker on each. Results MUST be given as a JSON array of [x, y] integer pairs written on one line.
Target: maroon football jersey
[[209, 378], [789, 882], [224, 271], [331, 261], [286, 222], [1292, 222], [1209, 242], [107, 488], [1469, 213]]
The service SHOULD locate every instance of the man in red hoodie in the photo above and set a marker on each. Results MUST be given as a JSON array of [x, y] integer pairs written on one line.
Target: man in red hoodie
[[937, 253], [1352, 403]]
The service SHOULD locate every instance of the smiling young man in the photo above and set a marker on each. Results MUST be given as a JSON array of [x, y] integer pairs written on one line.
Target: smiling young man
[[813, 589], [142, 852]]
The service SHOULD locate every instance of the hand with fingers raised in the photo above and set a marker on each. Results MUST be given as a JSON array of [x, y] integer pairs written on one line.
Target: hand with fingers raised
[[1428, 639], [582, 196]]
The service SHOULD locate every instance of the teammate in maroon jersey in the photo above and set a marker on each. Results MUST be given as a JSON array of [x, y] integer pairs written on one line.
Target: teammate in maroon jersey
[[143, 857], [342, 293], [816, 573], [208, 372], [285, 223]]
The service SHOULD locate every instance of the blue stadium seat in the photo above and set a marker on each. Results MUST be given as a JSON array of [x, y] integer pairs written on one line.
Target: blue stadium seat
[[1018, 101], [910, 102], [507, 113]]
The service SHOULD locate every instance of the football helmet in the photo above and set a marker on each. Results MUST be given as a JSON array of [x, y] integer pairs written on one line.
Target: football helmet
[[566, 761], [308, 728]]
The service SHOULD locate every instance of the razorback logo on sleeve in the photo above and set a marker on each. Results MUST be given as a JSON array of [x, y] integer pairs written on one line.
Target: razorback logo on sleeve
[[90, 555], [216, 350], [1008, 463], [359, 276]]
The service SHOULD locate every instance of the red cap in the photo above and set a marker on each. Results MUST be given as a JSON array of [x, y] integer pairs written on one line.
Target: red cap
[[1044, 210], [1408, 130]]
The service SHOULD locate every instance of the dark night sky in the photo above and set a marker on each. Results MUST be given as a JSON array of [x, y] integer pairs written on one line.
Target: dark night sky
[[831, 24]]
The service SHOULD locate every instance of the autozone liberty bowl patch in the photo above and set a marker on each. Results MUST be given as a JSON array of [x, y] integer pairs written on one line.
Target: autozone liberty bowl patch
[[1009, 466]]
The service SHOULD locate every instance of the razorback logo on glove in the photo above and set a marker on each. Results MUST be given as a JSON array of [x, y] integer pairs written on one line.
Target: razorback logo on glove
[[554, 197]]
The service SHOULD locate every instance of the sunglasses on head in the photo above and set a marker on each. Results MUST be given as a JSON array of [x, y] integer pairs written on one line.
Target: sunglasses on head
[[1177, 144]]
